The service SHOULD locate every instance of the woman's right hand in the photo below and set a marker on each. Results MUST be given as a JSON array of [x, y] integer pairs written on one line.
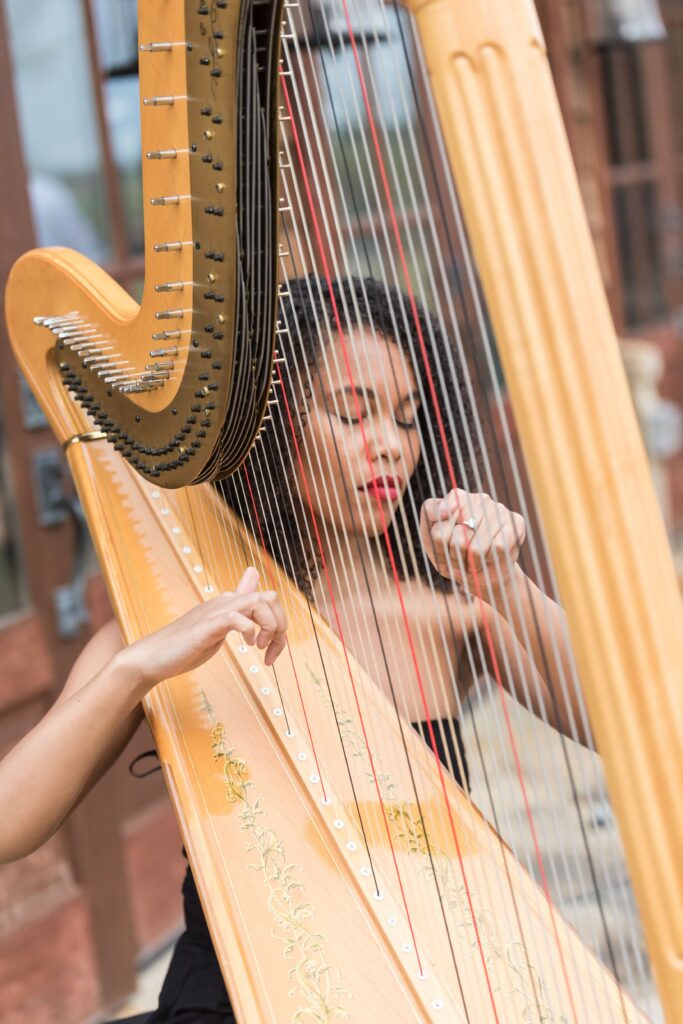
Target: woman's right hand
[[198, 634]]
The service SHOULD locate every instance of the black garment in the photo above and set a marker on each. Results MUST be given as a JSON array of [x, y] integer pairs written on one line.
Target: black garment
[[194, 991]]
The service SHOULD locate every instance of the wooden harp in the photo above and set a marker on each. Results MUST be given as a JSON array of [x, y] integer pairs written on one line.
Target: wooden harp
[[343, 872]]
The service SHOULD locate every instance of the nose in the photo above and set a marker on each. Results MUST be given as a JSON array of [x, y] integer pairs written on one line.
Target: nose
[[386, 440]]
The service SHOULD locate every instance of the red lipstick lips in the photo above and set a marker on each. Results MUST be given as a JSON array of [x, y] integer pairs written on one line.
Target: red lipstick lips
[[384, 488]]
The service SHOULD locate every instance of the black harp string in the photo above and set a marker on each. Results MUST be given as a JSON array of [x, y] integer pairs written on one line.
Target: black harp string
[[254, 527], [290, 247], [378, 630], [328, 329], [563, 739], [384, 329], [380, 118], [630, 960], [503, 475], [267, 489]]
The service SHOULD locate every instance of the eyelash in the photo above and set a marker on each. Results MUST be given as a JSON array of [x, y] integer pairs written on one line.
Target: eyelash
[[401, 426]]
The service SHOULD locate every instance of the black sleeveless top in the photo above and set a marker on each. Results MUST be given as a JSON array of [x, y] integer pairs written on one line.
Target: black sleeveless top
[[194, 991]]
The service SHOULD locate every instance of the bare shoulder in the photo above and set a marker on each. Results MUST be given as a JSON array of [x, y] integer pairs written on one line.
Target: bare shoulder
[[98, 652]]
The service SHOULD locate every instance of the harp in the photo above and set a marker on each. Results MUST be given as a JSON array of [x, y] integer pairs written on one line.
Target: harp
[[343, 872]]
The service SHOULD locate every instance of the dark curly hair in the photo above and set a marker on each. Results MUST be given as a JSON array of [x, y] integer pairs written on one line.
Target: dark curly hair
[[305, 303]]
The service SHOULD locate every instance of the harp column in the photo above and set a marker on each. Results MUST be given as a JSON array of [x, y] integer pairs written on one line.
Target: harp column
[[522, 206]]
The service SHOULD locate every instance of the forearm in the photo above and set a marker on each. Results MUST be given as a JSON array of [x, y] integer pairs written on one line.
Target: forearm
[[538, 624], [47, 773]]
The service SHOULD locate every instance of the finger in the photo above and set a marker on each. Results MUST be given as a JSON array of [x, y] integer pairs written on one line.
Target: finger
[[454, 504], [471, 547], [429, 512], [272, 640], [267, 622], [241, 624], [505, 545], [441, 533], [249, 582], [275, 649], [273, 601], [449, 545], [229, 608]]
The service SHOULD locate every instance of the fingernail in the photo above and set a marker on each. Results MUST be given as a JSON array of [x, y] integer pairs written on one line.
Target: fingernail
[[443, 508]]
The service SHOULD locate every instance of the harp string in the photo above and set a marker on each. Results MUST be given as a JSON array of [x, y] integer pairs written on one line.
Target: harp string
[[340, 332], [371, 71], [398, 79], [604, 891], [477, 585], [324, 355], [258, 526], [290, 247], [372, 668], [254, 549], [269, 577], [256, 456], [411, 498], [452, 479], [597, 888]]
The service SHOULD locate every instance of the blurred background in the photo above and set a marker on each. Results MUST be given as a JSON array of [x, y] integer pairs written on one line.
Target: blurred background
[[80, 917]]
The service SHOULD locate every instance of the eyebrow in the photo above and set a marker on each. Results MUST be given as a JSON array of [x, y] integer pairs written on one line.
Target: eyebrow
[[360, 391], [369, 393]]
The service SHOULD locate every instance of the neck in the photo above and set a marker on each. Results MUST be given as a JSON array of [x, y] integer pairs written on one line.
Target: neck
[[352, 561]]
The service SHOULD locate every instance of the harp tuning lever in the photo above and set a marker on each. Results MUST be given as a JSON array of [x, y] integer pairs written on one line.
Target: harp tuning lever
[[157, 47], [159, 353], [165, 201], [168, 364], [170, 314], [165, 335], [158, 101]]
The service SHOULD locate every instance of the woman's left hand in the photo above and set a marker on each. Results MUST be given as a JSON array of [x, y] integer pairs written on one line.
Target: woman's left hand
[[471, 535]]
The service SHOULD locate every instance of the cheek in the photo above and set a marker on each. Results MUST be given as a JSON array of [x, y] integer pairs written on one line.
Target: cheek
[[346, 450], [411, 450]]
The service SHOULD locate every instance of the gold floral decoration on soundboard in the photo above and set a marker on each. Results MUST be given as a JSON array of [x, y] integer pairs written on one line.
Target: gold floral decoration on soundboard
[[476, 924], [314, 978]]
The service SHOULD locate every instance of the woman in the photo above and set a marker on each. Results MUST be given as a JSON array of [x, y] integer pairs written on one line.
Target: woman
[[355, 505], [366, 493]]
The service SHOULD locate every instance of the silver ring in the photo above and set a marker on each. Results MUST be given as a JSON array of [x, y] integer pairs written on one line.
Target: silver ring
[[472, 523]]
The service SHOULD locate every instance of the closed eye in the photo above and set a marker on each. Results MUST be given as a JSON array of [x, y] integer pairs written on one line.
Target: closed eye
[[405, 424], [407, 413]]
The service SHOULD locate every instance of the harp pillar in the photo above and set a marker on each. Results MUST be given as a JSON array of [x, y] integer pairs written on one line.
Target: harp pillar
[[528, 229]]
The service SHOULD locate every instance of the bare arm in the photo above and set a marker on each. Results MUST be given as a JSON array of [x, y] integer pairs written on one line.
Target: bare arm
[[476, 541], [52, 768], [521, 653]]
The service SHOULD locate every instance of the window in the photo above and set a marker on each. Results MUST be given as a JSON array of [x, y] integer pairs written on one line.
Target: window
[[634, 175], [57, 115], [117, 42]]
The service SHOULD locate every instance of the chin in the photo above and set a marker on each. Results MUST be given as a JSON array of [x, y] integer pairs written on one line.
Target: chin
[[374, 524]]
